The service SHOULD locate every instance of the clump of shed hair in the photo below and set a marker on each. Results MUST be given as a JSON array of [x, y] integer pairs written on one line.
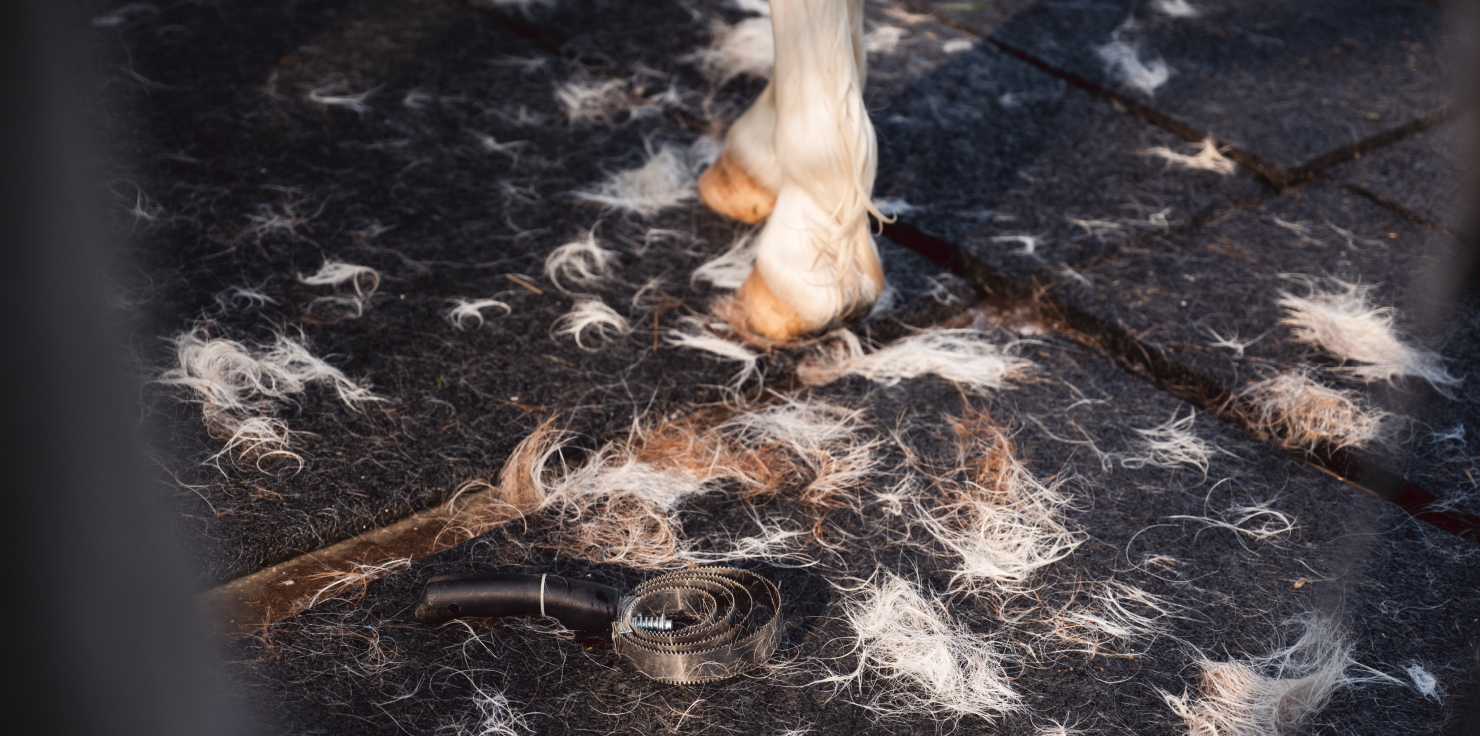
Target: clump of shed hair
[[351, 584], [580, 263], [1300, 414], [477, 506], [621, 505], [775, 544], [1343, 322], [337, 95], [1426, 684], [1172, 445], [1117, 613], [1277, 693], [883, 39], [1175, 8], [729, 269], [666, 180], [1001, 522], [747, 48], [595, 317], [963, 356], [241, 389], [492, 714], [363, 281], [801, 424], [699, 334], [819, 446], [1123, 62], [922, 661], [466, 311], [264, 440], [588, 101], [616, 509], [1207, 158]]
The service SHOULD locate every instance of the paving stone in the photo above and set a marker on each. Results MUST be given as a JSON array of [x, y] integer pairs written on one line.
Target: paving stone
[[1185, 293], [923, 44], [1225, 278], [1422, 174], [990, 150], [1407, 592], [1284, 81]]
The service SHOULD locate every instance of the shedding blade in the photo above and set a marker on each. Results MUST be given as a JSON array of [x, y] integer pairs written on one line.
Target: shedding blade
[[737, 625]]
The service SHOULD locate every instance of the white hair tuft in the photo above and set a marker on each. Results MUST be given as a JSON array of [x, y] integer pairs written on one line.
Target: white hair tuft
[[592, 316], [1342, 321], [962, 356]]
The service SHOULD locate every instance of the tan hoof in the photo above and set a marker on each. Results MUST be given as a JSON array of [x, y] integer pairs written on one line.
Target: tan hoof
[[760, 317], [730, 191]]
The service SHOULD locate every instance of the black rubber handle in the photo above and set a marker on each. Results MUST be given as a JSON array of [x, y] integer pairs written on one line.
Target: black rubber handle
[[579, 605]]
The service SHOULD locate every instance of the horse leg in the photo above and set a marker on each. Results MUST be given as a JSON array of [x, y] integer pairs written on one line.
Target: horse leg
[[816, 262]]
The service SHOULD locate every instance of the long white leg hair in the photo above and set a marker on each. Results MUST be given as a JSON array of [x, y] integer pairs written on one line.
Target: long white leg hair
[[816, 261]]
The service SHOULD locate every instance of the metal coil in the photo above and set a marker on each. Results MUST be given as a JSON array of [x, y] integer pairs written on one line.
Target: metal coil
[[733, 624]]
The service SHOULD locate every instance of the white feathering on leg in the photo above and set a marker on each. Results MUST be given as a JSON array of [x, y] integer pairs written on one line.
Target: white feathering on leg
[[816, 252], [751, 140]]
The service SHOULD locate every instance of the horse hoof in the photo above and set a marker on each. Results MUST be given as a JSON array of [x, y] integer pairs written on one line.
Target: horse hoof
[[729, 190]]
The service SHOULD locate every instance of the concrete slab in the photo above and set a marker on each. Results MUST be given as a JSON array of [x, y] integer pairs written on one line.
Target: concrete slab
[[1408, 593], [1286, 82]]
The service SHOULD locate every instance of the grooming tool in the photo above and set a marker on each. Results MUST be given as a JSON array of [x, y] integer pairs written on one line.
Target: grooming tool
[[707, 623]]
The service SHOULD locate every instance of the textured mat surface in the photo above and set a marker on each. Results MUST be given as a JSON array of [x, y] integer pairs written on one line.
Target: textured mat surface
[[440, 144], [1407, 591], [1287, 82], [443, 159]]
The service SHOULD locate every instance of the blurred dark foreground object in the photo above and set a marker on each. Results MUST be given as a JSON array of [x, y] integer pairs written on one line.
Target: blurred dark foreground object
[[102, 634]]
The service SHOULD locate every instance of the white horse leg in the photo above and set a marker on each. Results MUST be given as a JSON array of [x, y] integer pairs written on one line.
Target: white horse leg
[[816, 262], [742, 182]]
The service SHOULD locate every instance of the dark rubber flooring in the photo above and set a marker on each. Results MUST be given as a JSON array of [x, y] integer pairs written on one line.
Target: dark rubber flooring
[[1408, 591], [1004, 131]]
